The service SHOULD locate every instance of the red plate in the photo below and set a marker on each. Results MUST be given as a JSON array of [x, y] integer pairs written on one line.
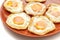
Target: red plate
[[5, 13]]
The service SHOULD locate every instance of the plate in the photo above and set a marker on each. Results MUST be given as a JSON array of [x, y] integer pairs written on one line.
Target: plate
[[5, 13]]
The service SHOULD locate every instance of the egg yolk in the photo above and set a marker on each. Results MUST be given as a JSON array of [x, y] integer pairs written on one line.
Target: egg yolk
[[56, 14], [40, 25], [36, 7], [32, 0], [35, 0], [12, 4], [18, 20], [38, 0], [9, 3]]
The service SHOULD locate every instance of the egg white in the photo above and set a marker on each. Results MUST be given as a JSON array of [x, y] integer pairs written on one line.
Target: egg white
[[10, 22], [18, 9], [33, 29], [29, 10], [51, 17]]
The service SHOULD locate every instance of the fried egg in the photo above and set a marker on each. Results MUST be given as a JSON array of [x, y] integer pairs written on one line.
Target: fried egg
[[35, 8], [14, 6], [35, 0], [53, 13], [18, 21], [41, 25]]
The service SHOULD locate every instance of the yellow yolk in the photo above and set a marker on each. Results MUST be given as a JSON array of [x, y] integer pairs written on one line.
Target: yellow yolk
[[12, 4], [56, 14], [32, 0], [40, 25], [36, 7], [18, 20], [35, 0], [9, 3]]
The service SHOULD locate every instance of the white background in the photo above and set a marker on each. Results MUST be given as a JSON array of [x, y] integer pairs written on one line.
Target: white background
[[6, 34]]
